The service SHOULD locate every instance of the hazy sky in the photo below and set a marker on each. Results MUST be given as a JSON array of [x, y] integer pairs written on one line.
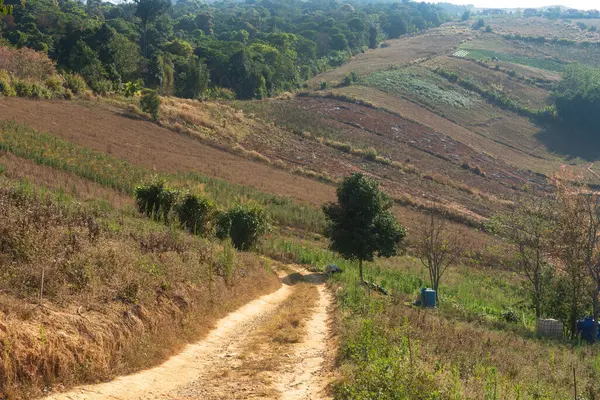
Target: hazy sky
[[580, 4]]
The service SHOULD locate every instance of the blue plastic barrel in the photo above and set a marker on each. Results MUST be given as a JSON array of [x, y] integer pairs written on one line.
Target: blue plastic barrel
[[428, 297], [586, 328]]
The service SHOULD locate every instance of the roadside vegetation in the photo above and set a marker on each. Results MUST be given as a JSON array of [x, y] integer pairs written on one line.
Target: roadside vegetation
[[64, 262]]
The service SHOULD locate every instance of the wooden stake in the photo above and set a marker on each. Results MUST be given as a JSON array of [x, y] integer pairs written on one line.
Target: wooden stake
[[575, 382]]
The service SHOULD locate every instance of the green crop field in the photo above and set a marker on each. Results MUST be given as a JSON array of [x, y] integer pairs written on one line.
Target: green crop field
[[423, 85], [548, 64]]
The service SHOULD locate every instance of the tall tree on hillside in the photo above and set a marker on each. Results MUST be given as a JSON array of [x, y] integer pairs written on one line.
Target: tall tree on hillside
[[360, 225], [147, 10], [527, 228]]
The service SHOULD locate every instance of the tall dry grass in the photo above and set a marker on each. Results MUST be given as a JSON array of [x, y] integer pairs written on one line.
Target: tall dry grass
[[87, 293]]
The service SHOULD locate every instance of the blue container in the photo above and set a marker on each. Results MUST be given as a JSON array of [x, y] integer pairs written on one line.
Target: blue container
[[586, 328], [428, 297]]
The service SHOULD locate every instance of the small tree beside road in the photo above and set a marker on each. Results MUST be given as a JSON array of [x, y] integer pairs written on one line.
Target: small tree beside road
[[360, 225], [438, 248]]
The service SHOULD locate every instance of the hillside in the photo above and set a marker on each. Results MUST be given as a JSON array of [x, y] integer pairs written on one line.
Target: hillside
[[451, 122]]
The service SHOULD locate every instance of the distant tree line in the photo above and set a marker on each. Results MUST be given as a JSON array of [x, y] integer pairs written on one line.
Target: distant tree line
[[578, 98], [189, 49]]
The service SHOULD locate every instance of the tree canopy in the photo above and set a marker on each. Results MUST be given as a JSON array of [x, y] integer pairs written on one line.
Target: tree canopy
[[256, 48], [578, 97], [360, 225]]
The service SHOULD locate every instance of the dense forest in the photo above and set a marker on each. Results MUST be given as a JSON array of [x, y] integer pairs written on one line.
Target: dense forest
[[194, 49]]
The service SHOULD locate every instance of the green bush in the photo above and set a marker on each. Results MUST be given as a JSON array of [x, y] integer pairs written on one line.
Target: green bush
[[6, 87], [371, 154], [130, 89], [244, 225], [150, 103], [23, 88], [195, 213], [103, 87], [54, 83], [155, 201], [39, 91], [323, 85], [75, 83]]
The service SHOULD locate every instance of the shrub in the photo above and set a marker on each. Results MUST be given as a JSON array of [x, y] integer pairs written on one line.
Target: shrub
[[347, 81], [23, 88], [54, 83], [26, 63], [480, 23], [323, 85], [195, 213], [75, 83], [155, 201], [371, 154], [6, 87], [102, 87], [150, 103], [39, 91], [131, 89], [244, 225]]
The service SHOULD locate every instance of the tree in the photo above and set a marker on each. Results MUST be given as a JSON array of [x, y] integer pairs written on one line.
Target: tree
[[527, 228], [147, 10], [480, 23], [573, 238], [5, 9], [150, 103], [578, 228], [437, 248], [360, 225], [466, 16]]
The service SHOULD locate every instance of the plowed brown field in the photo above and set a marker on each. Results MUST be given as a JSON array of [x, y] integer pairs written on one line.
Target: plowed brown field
[[147, 144]]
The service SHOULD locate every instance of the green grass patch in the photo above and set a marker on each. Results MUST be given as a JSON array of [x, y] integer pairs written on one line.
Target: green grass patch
[[424, 85], [548, 64]]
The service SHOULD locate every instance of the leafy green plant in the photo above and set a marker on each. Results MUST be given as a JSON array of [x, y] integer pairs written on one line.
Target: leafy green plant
[[150, 103], [6, 87], [75, 83], [155, 200], [244, 225], [195, 213], [131, 89]]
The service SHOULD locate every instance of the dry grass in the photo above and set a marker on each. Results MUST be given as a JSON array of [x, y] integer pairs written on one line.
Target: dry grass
[[284, 327], [400, 52], [118, 293]]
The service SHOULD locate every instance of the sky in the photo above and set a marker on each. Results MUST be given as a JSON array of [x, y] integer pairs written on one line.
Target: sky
[[579, 4]]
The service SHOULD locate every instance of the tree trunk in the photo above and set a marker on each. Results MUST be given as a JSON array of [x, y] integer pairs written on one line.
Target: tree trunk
[[596, 311], [360, 269]]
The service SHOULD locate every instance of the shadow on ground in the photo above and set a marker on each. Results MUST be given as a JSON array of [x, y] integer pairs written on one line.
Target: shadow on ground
[[297, 277], [571, 142]]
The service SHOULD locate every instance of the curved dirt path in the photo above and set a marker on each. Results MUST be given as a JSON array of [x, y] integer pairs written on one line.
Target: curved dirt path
[[192, 374]]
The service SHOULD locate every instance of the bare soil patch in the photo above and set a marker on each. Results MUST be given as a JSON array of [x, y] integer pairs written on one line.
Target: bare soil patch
[[146, 144]]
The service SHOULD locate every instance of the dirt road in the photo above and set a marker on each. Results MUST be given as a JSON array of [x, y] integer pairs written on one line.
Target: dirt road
[[230, 363]]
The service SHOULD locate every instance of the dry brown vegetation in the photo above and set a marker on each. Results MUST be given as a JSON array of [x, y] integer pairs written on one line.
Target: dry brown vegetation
[[400, 52], [90, 293]]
